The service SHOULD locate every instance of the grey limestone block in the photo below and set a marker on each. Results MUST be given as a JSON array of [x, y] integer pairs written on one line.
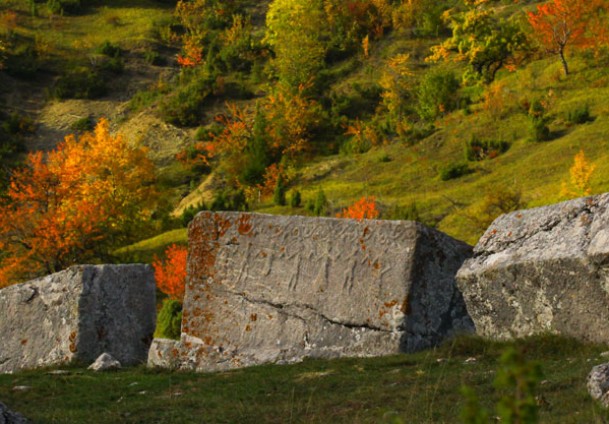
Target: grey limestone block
[[543, 270], [76, 315], [264, 288]]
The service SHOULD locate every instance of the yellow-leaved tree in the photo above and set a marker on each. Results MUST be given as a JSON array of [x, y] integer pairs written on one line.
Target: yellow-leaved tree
[[580, 175]]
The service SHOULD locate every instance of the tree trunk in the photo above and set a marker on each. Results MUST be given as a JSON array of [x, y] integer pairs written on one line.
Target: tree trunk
[[565, 67]]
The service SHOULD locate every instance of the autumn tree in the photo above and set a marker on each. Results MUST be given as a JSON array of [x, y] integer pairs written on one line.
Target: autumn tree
[[170, 272], [75, 203], [483, 40], [294, 32], [364, 208], [580, 175], [559, 24]]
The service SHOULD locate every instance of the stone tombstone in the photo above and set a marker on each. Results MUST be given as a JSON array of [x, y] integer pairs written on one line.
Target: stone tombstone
[[267, 288], [543, 270], [78, 314]]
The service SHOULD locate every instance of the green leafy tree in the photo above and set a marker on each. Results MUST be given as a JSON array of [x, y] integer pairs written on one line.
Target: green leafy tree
[[486, 42], [294, 31]]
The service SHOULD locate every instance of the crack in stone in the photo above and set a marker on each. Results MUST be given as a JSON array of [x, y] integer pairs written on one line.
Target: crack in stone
[[287, 309]]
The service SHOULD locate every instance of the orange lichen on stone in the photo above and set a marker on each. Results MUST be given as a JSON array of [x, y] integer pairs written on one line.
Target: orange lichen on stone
[[405, 308], [253, 317], [391, 304], [244, 225]]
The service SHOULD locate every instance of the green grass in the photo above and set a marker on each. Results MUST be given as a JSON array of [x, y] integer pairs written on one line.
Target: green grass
[[145, 250], [408, 388], [63, 40]]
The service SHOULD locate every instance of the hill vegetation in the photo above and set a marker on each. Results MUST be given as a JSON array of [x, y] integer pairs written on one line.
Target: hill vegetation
[[446, 112]]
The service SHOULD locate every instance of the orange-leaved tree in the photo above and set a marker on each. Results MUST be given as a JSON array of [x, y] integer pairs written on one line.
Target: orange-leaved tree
[[170, 274], [75, 203], [562, 23], [364, 208]]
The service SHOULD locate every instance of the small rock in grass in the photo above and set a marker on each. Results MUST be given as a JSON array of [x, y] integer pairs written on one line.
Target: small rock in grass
[[598, 384], [105, 362], [21, 388]]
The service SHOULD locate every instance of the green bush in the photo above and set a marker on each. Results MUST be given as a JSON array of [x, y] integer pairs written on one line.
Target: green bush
[[455, 170], [154, 58], [295, 199], [184, 106], [279, 193], [579, 115], [81, 83], [59, 7], [540, 130], [83, 124], [109, 49], [229, 200], [320, 205], [190, 212], [477, 150], [169, 320], [437, 94]]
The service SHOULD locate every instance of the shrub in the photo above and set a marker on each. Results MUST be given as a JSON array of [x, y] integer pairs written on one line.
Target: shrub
[[82, 83], [189, 213], [183, 106], [170, 273], [109, 49], [455, 170], [83, 124], [579, 115], [279, 193], [169, 320], [154, 58], [59, 7], [229, 200], [477, 150], [296, 199], [437, 94], [319, 205], [540, 129]]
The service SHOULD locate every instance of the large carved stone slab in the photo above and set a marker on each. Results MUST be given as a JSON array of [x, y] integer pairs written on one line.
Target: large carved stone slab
[[267, 288], [542, 270], [78, 314]]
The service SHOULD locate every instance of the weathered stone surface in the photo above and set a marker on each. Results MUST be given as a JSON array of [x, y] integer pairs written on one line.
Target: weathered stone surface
[[105, 362], [267, 288], [598, 384], [542, 270], [78, 314], [9, 417], [163, 353]]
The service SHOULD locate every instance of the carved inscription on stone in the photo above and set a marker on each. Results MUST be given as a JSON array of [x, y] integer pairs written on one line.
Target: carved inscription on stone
[[278, 288]]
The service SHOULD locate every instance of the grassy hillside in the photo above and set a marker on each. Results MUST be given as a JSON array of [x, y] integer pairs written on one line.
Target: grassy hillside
[[415, 388]]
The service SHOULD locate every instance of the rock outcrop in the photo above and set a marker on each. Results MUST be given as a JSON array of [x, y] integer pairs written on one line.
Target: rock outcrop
[[542, 270], [9, 417], [78, 314], [267, 288]]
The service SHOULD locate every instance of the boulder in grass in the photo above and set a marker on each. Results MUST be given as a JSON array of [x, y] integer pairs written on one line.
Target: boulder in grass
[[598, 384], [543, 270], [105, 362], [76, 315], [265, 288]]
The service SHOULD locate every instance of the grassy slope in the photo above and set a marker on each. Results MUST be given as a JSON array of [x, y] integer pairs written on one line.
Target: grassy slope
[[414, 388], [128, 23]]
